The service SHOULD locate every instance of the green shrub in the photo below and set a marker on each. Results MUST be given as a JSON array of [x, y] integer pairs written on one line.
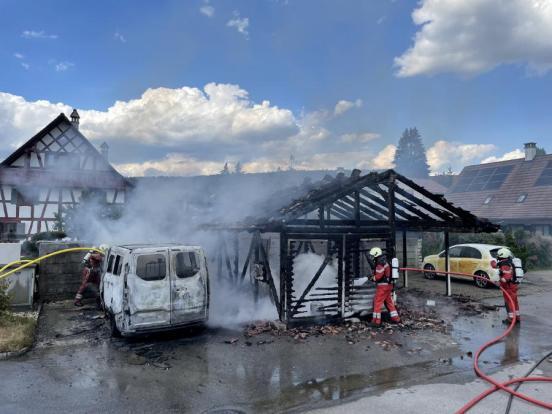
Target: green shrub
[[29, 248], [4, 298]]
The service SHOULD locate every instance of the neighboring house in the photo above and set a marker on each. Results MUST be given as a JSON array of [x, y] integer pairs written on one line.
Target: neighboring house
[[49, 172], [515, 193]]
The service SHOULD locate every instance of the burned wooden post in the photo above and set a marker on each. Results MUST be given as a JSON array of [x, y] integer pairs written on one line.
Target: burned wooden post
[[447, 263], [404, 258]]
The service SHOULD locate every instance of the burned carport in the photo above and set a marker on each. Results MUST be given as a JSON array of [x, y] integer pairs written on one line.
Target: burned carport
[[310, 252]]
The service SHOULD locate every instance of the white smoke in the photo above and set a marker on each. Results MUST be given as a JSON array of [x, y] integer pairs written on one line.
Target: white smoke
[[305, 266], [160, 211]]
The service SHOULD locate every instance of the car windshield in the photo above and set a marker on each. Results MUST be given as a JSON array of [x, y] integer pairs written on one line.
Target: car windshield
[[494, 252]]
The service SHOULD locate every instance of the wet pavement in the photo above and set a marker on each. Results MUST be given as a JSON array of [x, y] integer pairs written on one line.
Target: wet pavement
[[76, 366]]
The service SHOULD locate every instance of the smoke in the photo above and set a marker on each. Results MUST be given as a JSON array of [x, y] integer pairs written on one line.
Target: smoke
[[161, 210], [305, 267]]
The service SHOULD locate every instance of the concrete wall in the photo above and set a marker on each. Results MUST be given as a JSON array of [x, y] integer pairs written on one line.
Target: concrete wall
[[59, 277]]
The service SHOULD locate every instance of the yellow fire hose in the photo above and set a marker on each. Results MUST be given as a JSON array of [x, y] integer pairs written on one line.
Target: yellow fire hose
[[27, 263]]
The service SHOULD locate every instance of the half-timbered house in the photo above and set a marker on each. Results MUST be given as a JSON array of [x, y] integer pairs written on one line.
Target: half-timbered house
[[52, 170]]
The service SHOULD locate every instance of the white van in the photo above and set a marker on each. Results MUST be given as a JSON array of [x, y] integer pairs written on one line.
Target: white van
[[155, 287]]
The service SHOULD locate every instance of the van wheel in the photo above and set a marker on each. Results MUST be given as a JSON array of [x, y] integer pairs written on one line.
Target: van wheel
[[481, 283], [429, 275], [113, 327]]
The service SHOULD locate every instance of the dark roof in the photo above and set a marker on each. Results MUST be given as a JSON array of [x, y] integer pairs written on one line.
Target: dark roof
[[87, 178], [502, 205]]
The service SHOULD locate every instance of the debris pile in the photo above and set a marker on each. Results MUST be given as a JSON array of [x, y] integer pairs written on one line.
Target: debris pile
[[353, 330]]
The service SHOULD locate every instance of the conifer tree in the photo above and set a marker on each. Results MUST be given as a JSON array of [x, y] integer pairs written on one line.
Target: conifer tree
[[410, 158]]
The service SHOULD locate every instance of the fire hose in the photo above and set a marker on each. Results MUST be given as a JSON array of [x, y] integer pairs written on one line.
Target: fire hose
[[28, 262], [496, 385]]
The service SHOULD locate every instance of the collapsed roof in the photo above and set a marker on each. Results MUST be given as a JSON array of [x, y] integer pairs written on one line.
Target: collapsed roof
[[361, 202]]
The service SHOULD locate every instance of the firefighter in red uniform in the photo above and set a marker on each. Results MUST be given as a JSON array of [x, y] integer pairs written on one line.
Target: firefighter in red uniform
[[384, 288], [91, 276], [508, 281]]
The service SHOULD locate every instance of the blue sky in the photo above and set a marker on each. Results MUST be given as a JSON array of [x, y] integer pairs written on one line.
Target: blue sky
[[471, 99]]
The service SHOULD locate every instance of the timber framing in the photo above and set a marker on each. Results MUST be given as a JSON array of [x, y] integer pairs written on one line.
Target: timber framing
[[333, 223]]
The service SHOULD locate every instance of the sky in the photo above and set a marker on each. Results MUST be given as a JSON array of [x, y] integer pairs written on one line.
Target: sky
[[182, 87]]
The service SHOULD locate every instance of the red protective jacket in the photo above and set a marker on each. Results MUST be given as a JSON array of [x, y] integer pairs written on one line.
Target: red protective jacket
[[382, 274], [506, 270]]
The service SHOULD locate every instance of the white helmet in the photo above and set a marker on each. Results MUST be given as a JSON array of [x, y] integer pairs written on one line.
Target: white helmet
[[104, 247], [503, 253], [376, 252]]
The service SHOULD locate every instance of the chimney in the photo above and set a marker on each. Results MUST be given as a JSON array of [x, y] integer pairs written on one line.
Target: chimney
[[75, 117], [530, 151], [104, 150]]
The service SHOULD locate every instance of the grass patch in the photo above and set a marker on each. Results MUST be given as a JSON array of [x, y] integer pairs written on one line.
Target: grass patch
[[16, 332]]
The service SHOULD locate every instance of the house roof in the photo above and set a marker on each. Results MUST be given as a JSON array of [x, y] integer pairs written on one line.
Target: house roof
[[87, 178], [518, 195]]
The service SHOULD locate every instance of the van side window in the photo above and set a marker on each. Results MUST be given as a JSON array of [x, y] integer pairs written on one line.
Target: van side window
[[151, 267], [110, 263], [117, 267], [186, 264]]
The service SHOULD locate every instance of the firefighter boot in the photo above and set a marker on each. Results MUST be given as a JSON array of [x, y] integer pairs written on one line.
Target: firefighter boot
[[78, 302]]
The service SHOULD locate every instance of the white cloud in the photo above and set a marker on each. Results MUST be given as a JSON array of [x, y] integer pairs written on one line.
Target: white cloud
[[21, 119], [25, 65], [239, 23], [359, 137], [343, 106], [173, 164], [170, 117], [188, 131], [119, 36], [33, 34], [385, 158], [444, 154], [207, 10], [474, 36], [512, 155], [18, 55], [63, 66]]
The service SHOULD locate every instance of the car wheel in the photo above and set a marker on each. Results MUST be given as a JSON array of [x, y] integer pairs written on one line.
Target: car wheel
[[113, 327], [429, 275], [483, 280]]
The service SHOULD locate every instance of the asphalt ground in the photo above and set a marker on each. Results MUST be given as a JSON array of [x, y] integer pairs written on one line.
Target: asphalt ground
[[75, 366]]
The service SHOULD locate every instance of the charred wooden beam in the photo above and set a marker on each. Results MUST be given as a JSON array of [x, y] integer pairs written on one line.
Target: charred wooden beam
[[435, 211]]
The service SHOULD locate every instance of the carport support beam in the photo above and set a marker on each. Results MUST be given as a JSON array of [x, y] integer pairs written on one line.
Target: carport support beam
[[405, 259], [447, 263]]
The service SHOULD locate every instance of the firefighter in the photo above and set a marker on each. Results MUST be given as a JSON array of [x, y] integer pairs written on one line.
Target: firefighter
[[384, 288], [91, 276], [508, 281]]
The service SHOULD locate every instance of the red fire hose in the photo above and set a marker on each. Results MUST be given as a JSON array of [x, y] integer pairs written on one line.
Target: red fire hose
[[497, 385]]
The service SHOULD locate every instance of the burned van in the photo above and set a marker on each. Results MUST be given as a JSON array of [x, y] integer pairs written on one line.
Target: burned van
[[148, 288]]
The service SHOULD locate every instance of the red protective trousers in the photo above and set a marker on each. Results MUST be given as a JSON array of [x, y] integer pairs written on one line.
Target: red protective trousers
[[384, 295], [512, 290], [507, 274]]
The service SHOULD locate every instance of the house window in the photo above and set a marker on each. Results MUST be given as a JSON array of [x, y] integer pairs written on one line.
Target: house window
[[488, 200], [521, 198]]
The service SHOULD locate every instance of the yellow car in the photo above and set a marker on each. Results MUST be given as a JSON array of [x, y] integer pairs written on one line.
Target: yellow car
[[475, 259]]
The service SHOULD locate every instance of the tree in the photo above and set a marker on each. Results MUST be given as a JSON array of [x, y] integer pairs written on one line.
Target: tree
[[238, 169], [225, 170], [540, 151], [410, 158]]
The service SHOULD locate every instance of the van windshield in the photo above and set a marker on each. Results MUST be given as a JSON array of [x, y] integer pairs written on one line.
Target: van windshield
[[187, 264], [151, 267]]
